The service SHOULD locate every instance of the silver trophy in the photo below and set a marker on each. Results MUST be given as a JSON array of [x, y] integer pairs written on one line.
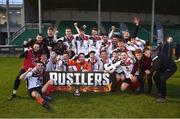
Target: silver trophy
[[77, 89]]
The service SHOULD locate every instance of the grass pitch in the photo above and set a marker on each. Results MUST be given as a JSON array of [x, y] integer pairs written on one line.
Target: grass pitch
[[111, 105]]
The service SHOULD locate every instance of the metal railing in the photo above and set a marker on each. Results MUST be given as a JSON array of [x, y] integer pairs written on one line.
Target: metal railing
[[15, 35], [22, 29]]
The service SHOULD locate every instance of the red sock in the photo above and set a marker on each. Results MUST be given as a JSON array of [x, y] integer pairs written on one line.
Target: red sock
[[40, 100], [50, 89]]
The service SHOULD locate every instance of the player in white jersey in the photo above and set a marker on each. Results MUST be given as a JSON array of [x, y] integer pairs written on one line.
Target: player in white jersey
[[82, 43], [114, 44], [105, 42], [114, 63], [66, 64], [114, 68], [123, 47], [127, 66], [104, 59], [53, 61], [137, 43], [94, 61], [69, 41], [95, 41], [34, 79]]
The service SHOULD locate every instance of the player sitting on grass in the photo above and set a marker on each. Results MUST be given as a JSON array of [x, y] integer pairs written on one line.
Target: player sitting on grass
[[34, 79]]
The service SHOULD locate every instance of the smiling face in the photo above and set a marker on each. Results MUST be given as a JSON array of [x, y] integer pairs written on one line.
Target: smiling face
[[169, 40], [39, 67], [43, 58], [66, 57], [94, 32], [115, 55], [50, 32], [36, 47], [39, 38], [81, 58], [138, 56], [114, 41], [121, 44], [124, 56], [92, 55], [133, 40], [126, 34], [103, 55], [105, 38], [68, 32], [148, 53]]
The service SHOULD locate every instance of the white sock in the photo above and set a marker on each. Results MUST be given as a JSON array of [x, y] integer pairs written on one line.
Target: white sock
[[14, 91]]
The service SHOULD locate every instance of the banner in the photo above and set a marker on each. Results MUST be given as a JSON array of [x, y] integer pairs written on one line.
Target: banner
[[81, 81]]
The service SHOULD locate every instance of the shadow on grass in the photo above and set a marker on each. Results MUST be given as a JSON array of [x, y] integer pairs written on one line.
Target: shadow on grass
[[173, 91], [23, 98], [84, 97]]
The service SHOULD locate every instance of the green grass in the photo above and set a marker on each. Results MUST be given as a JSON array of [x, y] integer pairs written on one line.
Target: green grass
[[117, 104]]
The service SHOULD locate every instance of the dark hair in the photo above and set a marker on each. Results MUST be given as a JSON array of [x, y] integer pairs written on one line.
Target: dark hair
[[51, 28], [92, 52], [115, 51], [36, 43], [43, 53], [81, 54], [145, 49], [40, 62], [81, 29], [94, 28], [59, 41], [132, 36], [105, 34], [66, 52], [68, 28], [103, 51], [117, 36], [138, 51], [121, 40], [123, 52], [40, 34]]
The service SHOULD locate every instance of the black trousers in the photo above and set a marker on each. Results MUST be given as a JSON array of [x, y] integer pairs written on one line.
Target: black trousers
[[17, 80], [114, 81], [160, 80], [142, 79]]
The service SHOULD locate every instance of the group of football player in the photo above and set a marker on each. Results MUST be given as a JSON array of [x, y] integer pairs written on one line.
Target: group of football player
[[126, 57]]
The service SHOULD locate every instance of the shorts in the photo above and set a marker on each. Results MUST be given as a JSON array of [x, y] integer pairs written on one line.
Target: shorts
[[37, 89], [127, 80]]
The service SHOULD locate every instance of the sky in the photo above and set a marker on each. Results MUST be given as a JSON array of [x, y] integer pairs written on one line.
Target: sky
[[11, 1]]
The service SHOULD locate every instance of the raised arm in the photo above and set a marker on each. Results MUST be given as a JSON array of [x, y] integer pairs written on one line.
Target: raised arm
[[76, 26], [112, 31], [23, 76], [136, 21]]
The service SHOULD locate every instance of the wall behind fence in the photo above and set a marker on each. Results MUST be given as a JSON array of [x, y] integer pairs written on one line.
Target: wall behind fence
[[59, 15]]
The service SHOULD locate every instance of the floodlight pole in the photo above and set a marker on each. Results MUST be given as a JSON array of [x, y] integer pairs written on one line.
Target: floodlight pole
[[152, 20], [40, 20], [99, 16], [23, 14], [7, 17]]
